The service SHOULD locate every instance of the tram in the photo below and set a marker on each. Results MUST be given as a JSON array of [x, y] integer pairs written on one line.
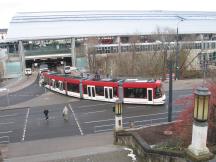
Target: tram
[[132, 91]]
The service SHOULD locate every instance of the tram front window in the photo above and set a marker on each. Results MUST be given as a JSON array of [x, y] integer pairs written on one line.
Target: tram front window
[[158, 92]]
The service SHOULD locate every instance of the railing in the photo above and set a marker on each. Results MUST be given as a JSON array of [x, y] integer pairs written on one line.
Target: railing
[[125, 47], [42, 51]]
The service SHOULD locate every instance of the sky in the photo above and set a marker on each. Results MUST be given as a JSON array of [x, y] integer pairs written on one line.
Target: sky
[[10, 7]]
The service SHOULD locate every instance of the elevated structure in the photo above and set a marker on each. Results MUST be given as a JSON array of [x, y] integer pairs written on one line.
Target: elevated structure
[[55, 25], [40, 34]]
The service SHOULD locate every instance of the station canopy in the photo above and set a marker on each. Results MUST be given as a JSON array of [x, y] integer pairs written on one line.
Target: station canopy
[[67, 24]]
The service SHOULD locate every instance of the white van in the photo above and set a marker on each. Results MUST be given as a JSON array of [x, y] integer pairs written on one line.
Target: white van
[[28, 71], [67, 69]]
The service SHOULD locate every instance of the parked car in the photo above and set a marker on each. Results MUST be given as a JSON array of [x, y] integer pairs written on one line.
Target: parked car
[[43, 68], [28, 71], [67, 69]]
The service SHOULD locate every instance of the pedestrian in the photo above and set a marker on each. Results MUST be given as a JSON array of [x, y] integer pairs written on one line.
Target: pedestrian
[[46, 113], [65, 113]]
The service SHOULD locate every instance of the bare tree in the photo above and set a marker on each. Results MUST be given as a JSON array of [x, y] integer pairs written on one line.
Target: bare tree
[[133, 48], [91, 42]]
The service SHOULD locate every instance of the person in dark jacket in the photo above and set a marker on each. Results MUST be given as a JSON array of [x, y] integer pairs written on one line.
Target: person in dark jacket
[[46, 113]]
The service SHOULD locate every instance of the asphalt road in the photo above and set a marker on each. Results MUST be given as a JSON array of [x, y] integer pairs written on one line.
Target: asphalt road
[[85, 117], [22, 95]]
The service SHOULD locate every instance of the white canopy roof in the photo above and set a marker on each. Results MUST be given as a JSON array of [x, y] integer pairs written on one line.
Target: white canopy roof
[[53, 25]]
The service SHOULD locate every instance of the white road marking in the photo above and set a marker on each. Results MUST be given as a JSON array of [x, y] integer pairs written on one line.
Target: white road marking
[[86, 106], [135, 107], [8, 115], [6, 132], [25, 125], [4, 139], [104, 130], [96, 121], [93, 112], [7, 123], [81, 132], [98, 126]]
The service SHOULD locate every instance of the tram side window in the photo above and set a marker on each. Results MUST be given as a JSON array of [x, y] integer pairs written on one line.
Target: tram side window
[[61, 86], [64, 86], [73, 87], [56, 84], [99, 91], [114, 91], [46, 80], [158, 92], [135, 92], [85, 89], [50, 82]]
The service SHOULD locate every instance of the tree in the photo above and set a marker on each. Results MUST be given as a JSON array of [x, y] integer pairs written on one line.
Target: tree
[[91, 42], [183, 128]]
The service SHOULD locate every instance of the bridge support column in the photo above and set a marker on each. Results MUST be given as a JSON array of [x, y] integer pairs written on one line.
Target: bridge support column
[[119, 44], [22, 57], [73, 52]]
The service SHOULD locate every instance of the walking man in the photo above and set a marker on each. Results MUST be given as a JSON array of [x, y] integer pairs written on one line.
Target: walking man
[[46, 112], [65, 113]]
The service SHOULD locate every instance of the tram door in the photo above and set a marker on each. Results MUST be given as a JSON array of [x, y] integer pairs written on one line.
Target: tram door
[[108, 93], [150, 95], [91, 91]]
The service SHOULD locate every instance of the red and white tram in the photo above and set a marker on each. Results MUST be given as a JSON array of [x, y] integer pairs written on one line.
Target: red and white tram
[[134, 91]]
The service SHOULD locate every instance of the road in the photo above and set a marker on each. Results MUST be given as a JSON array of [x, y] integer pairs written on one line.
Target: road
[[85, 117], [22, 95]]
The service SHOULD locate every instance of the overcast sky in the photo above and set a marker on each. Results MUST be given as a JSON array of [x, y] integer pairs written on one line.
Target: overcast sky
[[10, 7]]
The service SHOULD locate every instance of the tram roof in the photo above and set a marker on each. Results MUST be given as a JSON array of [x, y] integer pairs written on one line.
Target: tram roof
[[66, 24]]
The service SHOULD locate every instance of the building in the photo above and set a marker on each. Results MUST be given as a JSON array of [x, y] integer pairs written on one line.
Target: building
[[58, 36]]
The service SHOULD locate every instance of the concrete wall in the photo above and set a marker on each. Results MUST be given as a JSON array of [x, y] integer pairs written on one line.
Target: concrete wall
[[143, 150]]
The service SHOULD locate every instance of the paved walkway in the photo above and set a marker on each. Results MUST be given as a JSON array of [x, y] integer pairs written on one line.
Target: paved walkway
[[95, 147]]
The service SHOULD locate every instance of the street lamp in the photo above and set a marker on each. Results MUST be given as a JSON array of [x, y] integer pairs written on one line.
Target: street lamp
[[198, 150], [170, 67], [201, 104], [118, 115], [177, 50]]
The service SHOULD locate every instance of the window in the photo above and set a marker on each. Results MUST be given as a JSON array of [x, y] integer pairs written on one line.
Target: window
[[99, 91], [114, 91], [56, 85], [60, 85], [135, 92], [158, 92], [73, 87], [210, 56], [85, 89], [214, 56], [46, 80]]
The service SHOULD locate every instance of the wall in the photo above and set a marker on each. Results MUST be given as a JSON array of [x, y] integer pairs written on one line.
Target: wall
[[143, 150]]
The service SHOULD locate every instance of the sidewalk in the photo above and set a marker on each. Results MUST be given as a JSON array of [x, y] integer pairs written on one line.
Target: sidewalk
[[183, 84], [95, 147], [17, 84]]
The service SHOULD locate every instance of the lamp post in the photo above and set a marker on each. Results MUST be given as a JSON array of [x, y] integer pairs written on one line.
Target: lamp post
[[177, 51], [118, 115], [198, 150], [170, 67]]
